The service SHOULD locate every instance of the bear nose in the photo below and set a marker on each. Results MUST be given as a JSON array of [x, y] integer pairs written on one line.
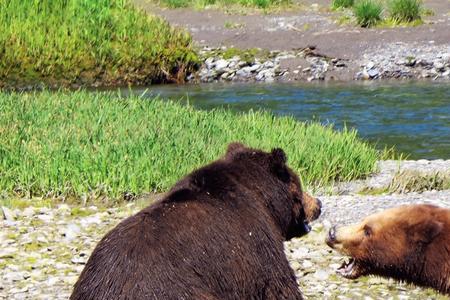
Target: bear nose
[[332, 234], [319, 205]]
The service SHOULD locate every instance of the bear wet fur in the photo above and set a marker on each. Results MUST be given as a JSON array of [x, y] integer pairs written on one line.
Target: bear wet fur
[[409, 243], [218, 234]]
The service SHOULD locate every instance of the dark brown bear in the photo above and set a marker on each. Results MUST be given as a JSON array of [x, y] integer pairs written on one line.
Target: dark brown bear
[[218, 234], [408, 243]]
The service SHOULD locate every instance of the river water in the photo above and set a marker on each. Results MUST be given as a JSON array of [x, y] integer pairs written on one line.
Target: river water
[[412, 117]]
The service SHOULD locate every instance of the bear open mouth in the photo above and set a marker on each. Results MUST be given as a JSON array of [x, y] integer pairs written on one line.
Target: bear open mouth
[[350, 269]]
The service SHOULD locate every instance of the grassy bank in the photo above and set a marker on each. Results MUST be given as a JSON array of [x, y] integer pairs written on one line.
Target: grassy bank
[[100, 144], [88, 42]]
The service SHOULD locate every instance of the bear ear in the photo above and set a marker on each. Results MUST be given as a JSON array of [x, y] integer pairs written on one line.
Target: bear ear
[[234, 147], [278, 156], [425, 232], [278, 164]]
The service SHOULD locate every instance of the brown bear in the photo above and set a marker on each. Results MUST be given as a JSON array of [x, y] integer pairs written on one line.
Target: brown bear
[[217, 234], [409, 243]]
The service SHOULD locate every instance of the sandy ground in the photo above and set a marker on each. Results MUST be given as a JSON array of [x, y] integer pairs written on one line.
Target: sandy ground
[[313, 23]]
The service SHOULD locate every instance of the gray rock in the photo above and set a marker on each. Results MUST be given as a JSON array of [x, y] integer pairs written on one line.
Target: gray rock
[[243, 73], [15, 276], [45, 218], [439, 65], [373, 73], [340, 64], [268, 64], [28, 212], [71, 231], [221, 64], [321, 275], [370, 65], [254, 68], [209, 62], [8, 252], [8, 214]]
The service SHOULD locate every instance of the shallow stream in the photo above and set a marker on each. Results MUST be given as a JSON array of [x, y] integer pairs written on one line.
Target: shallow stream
[[413, 117]]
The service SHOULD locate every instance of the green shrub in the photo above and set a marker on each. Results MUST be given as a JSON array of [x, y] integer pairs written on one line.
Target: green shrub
[[261, 3], [102, 41], [177, 3], [99, 143], [405, 10], [342, 3], [367, 12]]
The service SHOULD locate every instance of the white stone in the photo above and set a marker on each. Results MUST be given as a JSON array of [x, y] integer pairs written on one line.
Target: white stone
[[8, 214]]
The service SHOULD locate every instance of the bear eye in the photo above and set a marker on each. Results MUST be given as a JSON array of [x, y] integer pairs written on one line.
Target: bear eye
[[367, 231]]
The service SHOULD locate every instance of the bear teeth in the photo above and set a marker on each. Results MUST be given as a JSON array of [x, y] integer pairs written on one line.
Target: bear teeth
[[346, 268]]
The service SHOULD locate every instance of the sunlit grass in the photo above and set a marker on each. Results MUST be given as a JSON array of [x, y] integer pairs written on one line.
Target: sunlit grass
[[367, 12], [87, 42], [405, 10], [95, 144]]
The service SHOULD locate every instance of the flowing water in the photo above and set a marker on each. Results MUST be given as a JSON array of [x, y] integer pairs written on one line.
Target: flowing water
[[412, 117]]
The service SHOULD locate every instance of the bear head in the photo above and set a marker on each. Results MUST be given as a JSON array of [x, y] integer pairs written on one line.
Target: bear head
[[303, 207], [391, 243]]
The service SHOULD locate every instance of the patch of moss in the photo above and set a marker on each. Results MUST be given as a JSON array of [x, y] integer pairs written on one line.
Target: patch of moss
[[373, 191], [12, 235], [31, 260], [33, 246], [22, 203], [231, 25], [36, 223], [80, 212]]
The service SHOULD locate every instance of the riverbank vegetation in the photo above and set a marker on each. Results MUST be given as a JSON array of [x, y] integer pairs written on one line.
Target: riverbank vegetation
[[82, 144], [101, 42], [369, 13], [200, 4]]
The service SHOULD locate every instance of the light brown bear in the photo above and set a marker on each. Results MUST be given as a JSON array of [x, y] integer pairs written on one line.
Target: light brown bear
[[409, 243]]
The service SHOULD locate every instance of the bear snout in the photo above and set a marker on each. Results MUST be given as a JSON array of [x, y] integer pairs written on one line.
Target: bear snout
[[312, 207], [331, 237]]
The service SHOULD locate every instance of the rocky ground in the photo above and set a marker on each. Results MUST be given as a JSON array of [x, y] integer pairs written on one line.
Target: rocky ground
[[43, 250], [341, 50]]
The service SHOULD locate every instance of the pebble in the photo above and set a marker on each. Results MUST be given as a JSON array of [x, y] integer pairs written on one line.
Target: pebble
[[8, 214], [266, 69], [401, 60]]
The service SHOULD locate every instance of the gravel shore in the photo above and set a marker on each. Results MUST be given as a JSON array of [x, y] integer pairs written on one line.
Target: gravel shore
[[43, 250], [390, 61]]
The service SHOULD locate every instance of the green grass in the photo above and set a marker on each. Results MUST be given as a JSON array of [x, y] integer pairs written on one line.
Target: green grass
[[367, 12], [89, 42], [261, 4], [405, 10], [342, 3], [96, 144]]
